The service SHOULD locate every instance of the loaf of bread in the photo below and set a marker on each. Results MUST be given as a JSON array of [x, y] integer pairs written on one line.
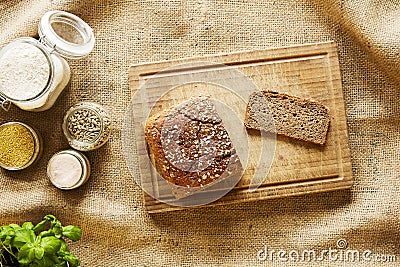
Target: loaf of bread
[[287, 115], [190, 147]]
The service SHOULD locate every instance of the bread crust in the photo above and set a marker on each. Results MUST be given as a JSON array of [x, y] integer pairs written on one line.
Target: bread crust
[[190, 147]]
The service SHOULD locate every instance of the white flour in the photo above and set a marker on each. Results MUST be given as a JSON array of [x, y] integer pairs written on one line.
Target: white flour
[[24, 71]]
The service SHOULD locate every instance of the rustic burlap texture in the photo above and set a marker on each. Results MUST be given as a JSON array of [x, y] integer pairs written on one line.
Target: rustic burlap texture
[[109, 208]]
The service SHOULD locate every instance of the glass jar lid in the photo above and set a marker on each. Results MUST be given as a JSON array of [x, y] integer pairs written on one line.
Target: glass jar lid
[[66, 34]]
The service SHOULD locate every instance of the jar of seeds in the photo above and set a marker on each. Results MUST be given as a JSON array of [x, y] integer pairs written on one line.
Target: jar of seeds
[[87, 126]]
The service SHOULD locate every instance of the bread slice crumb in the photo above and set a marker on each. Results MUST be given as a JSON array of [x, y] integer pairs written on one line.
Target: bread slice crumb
[[288, 115]]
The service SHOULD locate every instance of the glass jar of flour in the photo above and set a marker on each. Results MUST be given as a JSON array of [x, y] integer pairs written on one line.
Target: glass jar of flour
[[33, 73]]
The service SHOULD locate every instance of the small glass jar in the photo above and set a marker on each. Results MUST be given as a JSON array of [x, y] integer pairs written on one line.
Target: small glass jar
[[87, 126], [20, 146], [33, 73], [68, 169]]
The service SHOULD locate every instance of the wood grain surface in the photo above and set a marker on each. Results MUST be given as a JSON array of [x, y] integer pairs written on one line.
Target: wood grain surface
[[308, 71]]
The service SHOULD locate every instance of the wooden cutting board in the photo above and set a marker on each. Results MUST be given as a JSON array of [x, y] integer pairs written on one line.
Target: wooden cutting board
[[309, 71]]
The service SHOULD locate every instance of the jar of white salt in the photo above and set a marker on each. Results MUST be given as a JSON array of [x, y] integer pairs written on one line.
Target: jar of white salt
[[68, 169], [33, 73]]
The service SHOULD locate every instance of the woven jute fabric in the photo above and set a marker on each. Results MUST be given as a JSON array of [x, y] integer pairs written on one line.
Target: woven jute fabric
[[117, 231]]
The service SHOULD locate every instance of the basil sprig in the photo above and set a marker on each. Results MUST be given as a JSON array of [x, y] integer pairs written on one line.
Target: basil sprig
[[40, 245]]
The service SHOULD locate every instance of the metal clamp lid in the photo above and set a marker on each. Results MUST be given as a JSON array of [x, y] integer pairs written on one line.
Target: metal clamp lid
[[5, 103], [66, 34]]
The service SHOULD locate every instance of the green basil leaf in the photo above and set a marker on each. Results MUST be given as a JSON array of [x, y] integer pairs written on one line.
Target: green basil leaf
[[50, 218], [23, 236], [72, 260], [46, 233], [7, 231], [15, 226], [55, 225], [72, 232], [64, 247], [8, 240], [44, 262], [54, 258], [57, 229], [3, 231], [7, 236], [28, 225], [26, 254], [39, 252], [51, 244], [39, 227]]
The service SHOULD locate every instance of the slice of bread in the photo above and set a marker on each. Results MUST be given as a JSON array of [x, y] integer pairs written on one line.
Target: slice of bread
[[287, 115]]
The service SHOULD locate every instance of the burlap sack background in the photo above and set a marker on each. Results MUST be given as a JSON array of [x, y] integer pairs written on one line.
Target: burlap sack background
[[117, 230]]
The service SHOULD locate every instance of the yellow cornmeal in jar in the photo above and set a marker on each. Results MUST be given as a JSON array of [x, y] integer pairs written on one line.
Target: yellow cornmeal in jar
[[17, 145]]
